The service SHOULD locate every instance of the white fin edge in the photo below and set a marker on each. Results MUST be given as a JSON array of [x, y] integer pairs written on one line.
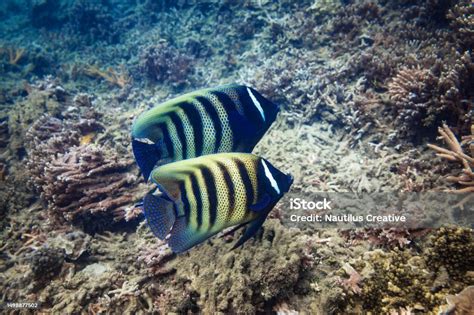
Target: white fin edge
[[256, 103], [270, 177]]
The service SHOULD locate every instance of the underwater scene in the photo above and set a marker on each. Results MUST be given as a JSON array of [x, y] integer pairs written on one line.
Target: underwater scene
[[237, 157]]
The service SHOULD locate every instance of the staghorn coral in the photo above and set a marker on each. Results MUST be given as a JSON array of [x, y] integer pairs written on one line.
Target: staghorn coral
[[164, 63], [120, 79], [411, 91], [14, 55], [89, 186], [462, 20], [455, 153], [425, 96]]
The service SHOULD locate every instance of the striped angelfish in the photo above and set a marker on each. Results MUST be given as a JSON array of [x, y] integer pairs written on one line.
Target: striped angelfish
[[229, 118], [200, 197]]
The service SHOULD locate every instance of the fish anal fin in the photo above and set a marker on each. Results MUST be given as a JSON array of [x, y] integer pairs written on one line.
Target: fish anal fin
[[235, 228], [251, 230]]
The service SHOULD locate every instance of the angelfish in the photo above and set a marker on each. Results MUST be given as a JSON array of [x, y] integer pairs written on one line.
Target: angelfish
[[200, 197], [231, 118]]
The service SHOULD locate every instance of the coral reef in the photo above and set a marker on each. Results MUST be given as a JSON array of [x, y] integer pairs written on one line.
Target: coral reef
[[13, 54], [427, 96], [250, 279], [453, 249], [92, 21], [120, 79], [46, 262], [462, 20], [461, 303], [46, 96], [89, 186], [455, 153], [363, 85], [164, 63]]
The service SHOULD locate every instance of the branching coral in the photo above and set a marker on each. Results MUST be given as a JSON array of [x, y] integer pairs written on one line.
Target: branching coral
[[120, 79], [164, 63], [46, 96], [46, 138], [14, 54], [411, 91], [427, 95], [462, 19], [80, 183], [455, 153], [87, 183], [93, 21]]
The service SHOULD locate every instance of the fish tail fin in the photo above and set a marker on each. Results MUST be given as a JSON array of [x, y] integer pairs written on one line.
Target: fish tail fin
[[160, 214], [251, 230], [147, 155]]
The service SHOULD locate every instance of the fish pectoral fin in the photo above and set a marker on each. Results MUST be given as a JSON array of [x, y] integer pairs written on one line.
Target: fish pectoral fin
[[160, 214], [251, 230], [262, 205]]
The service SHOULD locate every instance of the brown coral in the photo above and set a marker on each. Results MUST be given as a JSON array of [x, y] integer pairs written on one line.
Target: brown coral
[[461, 303], [462, 20], [14, 54], [113, 77], [87, 183], [455, 153], [426, 95], [46, 138]]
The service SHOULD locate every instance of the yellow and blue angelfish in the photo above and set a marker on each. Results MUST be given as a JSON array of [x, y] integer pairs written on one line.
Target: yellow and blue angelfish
[[198, 198], [229, 118]]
